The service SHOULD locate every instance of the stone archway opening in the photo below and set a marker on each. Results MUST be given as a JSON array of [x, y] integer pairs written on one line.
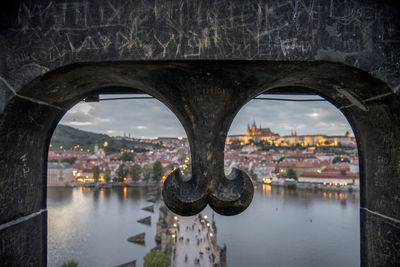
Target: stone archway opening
[[205, 96], [98, 215], [290, 148]]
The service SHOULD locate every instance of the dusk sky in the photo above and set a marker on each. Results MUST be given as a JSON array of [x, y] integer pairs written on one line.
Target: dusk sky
[[151, 118]]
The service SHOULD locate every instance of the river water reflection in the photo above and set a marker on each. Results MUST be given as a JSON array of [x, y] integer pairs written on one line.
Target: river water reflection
[[280, 228]]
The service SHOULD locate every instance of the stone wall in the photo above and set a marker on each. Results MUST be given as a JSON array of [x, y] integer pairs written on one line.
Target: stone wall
[[38, 36]]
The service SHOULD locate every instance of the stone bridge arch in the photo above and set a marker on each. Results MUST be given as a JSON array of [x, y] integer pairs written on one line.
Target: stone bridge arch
[[347, 51]]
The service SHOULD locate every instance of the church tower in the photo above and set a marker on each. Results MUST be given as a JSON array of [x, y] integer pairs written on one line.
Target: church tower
[[253, 128]]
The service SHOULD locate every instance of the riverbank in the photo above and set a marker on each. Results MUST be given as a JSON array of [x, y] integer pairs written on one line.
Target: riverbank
[[315, 187], [109, 185]]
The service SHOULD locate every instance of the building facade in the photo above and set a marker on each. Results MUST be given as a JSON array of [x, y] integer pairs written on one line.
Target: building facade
[[59, 174]]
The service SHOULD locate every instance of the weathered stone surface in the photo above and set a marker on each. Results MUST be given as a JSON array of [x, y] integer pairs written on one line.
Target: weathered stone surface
[[5, 94], [23, 157], [152, 200], [380, 240], [138, 239], [146, 220], [49, 34], [25, 243], [378, 145], [149, 208]]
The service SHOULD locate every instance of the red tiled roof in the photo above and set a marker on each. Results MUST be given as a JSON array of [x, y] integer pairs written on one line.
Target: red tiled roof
[[337, 167], [299, 164], [330, 175]]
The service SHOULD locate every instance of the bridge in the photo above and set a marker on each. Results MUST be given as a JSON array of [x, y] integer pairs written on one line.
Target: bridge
[[196, 243]]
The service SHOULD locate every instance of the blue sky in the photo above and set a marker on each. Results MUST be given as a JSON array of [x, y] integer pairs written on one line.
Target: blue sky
[[150, 118]]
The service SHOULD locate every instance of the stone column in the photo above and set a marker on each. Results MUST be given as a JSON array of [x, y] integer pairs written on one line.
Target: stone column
[[378, 132]]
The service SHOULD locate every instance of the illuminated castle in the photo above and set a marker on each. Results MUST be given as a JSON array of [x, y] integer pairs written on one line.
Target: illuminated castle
[[255, 132], [259, 134]]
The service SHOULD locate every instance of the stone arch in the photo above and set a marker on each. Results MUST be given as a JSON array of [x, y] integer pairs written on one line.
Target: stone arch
[[371, 108], [205, 96]]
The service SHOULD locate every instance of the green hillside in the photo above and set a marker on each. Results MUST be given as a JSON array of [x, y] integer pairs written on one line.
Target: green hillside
[[70, 138]]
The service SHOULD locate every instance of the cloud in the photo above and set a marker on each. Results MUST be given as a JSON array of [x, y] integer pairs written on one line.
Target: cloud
[[283, 117], [147, 118], [78, 123], [312, 115], [151, 118]]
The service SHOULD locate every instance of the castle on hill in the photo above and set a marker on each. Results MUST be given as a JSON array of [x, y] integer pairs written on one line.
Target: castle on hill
[[256, 132], [265, 135]]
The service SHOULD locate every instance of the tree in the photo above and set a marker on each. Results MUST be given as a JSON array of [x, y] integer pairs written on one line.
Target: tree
[[155, 259], [69, 160], [157, 171], [147, 170], [71, 263], [107, 175], [290, 173], [96, 173], [281, 159], [122, 172], [253, 175], [135, 172], [340, 160], [127, 156], [235, 144]]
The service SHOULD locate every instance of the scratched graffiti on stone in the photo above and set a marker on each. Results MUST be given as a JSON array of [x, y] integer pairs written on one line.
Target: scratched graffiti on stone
[[25, 167], [57, 33]]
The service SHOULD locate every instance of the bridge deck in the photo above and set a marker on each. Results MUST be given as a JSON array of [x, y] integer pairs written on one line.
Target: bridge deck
[[192, 238]]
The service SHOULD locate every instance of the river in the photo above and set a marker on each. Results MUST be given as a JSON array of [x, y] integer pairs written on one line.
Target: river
[[280, 228]]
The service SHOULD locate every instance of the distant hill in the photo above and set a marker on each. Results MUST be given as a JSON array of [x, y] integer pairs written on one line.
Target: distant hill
[[69, 137]]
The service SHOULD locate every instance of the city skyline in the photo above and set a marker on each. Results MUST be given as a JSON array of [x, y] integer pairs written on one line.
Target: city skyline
[[150, 118]]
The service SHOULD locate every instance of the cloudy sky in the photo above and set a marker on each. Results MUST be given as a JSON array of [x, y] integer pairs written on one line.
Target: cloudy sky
[[150, 118]]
